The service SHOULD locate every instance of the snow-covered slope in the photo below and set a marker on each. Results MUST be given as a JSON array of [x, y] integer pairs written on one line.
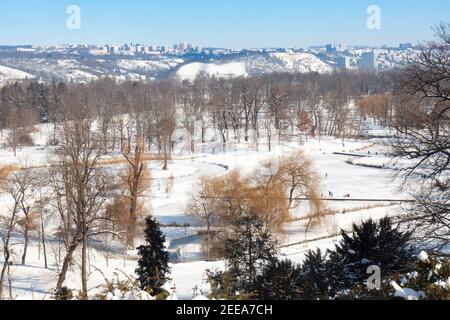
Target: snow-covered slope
[[89, 68], [294, 62], [9, 74], [227, 70], [302, 62], [148, 64]]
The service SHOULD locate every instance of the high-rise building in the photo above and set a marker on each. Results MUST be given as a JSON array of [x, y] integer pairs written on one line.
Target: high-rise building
[[369, 60], [115, 50], [343, 62], [331, 48]]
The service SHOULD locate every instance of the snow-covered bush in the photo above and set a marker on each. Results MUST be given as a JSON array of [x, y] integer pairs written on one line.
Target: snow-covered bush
[[119, 289], [370, 244], [426, 278], [63, 294], [429, 278]]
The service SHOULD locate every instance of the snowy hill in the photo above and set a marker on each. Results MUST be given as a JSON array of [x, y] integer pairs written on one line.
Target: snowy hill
[[84, 69], [293, 62], [227, 70], [9, 74], [302, 62]]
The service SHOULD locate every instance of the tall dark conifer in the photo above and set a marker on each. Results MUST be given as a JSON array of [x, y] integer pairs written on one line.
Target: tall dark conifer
[[371, 243], [153, 270], [249, 252]]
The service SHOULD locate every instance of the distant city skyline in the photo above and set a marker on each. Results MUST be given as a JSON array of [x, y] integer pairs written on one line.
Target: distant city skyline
[[233, 24]]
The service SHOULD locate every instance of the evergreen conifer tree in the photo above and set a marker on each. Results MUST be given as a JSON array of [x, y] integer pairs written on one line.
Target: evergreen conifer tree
[[279, 281], [314, 278], [249, 252], [153, 270], [370, 244]]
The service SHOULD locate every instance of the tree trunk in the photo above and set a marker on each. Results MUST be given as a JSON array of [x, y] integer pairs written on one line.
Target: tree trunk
[[84, 276], [4, 268], [165, 167], [44, 248], [26, 240], [131, 229], [208, 231], [65, 267]]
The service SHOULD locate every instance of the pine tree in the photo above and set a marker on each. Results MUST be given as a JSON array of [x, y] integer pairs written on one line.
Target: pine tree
[[249, 252], [153, 270], [279, 281], [371, 243], [314, 279]]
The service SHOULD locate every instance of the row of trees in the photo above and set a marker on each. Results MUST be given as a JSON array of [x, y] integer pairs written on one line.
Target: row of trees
[[207, 109]]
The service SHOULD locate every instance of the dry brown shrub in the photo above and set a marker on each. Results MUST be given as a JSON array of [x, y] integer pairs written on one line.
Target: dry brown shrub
[[270, 193], [118, 212], [5, 171]]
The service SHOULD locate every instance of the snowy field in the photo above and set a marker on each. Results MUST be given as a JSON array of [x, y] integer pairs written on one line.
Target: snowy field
[[373, 194]]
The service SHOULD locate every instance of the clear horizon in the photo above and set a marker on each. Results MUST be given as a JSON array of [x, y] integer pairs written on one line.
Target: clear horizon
[[229, 24]]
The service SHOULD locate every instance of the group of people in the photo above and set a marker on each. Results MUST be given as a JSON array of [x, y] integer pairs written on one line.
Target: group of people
[[331, 195]]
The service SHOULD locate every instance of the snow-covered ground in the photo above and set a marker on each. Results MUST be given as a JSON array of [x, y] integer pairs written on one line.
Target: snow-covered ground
[[334, 160]]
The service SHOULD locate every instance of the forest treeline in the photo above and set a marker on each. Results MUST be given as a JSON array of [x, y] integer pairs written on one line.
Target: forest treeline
[[238, 110]]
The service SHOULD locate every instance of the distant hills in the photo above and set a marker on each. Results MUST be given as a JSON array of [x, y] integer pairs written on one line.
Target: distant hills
[[83, 66]]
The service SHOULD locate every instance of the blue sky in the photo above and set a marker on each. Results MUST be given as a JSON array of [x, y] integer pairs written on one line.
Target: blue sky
[[220, 23]]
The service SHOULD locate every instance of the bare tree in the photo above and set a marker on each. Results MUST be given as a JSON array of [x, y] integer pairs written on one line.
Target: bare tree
[[136, 180], [424, 87], [80, 185], [22, 187], [204, 206], [167, 127], [297, 175], [7, 227]]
